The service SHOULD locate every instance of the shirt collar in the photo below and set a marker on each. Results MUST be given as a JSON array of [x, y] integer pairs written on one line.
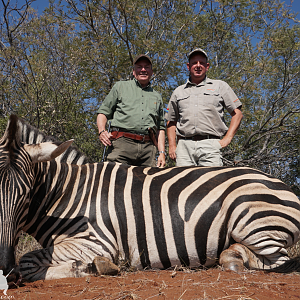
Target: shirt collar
[[138, 84], [202, 83]]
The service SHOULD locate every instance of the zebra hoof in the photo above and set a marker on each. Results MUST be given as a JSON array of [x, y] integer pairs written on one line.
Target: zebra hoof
[[234, 266], [103, 266], [232, 259]]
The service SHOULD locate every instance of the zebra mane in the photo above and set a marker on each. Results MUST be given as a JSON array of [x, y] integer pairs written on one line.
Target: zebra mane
[[9, 138], [19, 131]]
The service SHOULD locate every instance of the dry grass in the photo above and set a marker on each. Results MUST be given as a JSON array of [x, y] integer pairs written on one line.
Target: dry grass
[[294, 251], [26, 244]]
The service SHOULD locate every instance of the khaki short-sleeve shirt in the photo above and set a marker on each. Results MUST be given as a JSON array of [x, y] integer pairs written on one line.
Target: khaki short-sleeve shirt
[[199, 109]]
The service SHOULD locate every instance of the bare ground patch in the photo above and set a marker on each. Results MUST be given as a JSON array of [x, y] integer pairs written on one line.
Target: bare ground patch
[[167, 284]]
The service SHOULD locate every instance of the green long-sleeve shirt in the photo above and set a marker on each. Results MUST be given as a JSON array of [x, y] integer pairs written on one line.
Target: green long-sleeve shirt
[[133, 108]]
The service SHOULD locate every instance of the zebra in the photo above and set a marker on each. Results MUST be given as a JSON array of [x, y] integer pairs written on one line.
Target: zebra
[[88, 217]]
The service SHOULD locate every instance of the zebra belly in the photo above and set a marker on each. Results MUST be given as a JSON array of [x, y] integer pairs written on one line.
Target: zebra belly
[[166, 250]]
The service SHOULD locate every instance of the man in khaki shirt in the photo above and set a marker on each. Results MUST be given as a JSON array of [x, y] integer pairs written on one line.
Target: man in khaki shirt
[[196, 116]]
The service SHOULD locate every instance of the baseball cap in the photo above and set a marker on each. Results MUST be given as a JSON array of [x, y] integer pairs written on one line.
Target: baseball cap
[[197, 50], [140, 57]]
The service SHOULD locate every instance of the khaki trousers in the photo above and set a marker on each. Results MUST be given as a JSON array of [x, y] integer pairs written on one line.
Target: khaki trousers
[[204, 153], [132, 152]]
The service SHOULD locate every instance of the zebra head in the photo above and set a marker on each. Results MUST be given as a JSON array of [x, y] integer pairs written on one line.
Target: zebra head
[[17, 161]]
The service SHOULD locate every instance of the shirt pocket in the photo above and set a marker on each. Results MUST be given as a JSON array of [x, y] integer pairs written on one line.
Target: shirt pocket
[[152, 109], [211, 98], [184, 104], [153, 104]]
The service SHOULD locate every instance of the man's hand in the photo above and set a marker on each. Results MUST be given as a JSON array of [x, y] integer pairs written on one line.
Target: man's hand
[[172, 152], [161, 160], [171, 131], [104, 138], [236, 117], [225, 142]]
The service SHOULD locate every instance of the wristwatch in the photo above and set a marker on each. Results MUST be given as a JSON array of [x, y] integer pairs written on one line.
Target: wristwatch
[[162, 152]]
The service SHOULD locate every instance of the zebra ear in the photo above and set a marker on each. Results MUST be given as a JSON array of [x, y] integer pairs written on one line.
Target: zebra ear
[[46, 151]]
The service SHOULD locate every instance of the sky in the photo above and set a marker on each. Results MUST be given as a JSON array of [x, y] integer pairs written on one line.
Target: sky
[[295, 6]]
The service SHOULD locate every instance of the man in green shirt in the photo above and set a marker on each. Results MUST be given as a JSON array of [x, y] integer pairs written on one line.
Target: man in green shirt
[[136, 113]]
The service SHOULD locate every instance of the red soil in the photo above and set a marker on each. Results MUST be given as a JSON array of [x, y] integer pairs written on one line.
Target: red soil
[[204, 284]]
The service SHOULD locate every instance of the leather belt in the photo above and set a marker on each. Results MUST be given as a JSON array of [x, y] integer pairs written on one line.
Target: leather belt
[[199, 137], [133, 136]]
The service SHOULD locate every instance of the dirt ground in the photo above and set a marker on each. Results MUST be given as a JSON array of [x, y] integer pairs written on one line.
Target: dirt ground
[[168, 284]]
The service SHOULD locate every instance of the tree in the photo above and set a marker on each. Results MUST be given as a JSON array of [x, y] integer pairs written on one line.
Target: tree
[[46, 83], [58, 67]]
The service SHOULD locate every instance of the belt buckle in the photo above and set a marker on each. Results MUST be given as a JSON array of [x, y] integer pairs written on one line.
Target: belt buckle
[[143, 140]]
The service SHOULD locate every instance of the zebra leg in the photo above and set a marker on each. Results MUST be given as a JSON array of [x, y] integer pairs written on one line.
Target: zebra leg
[[237, 257], [234, 258], [103, 266], [48, 263], [36, 266]]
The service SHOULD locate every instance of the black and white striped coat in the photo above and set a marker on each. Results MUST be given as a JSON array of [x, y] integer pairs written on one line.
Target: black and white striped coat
[[150, 217]]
